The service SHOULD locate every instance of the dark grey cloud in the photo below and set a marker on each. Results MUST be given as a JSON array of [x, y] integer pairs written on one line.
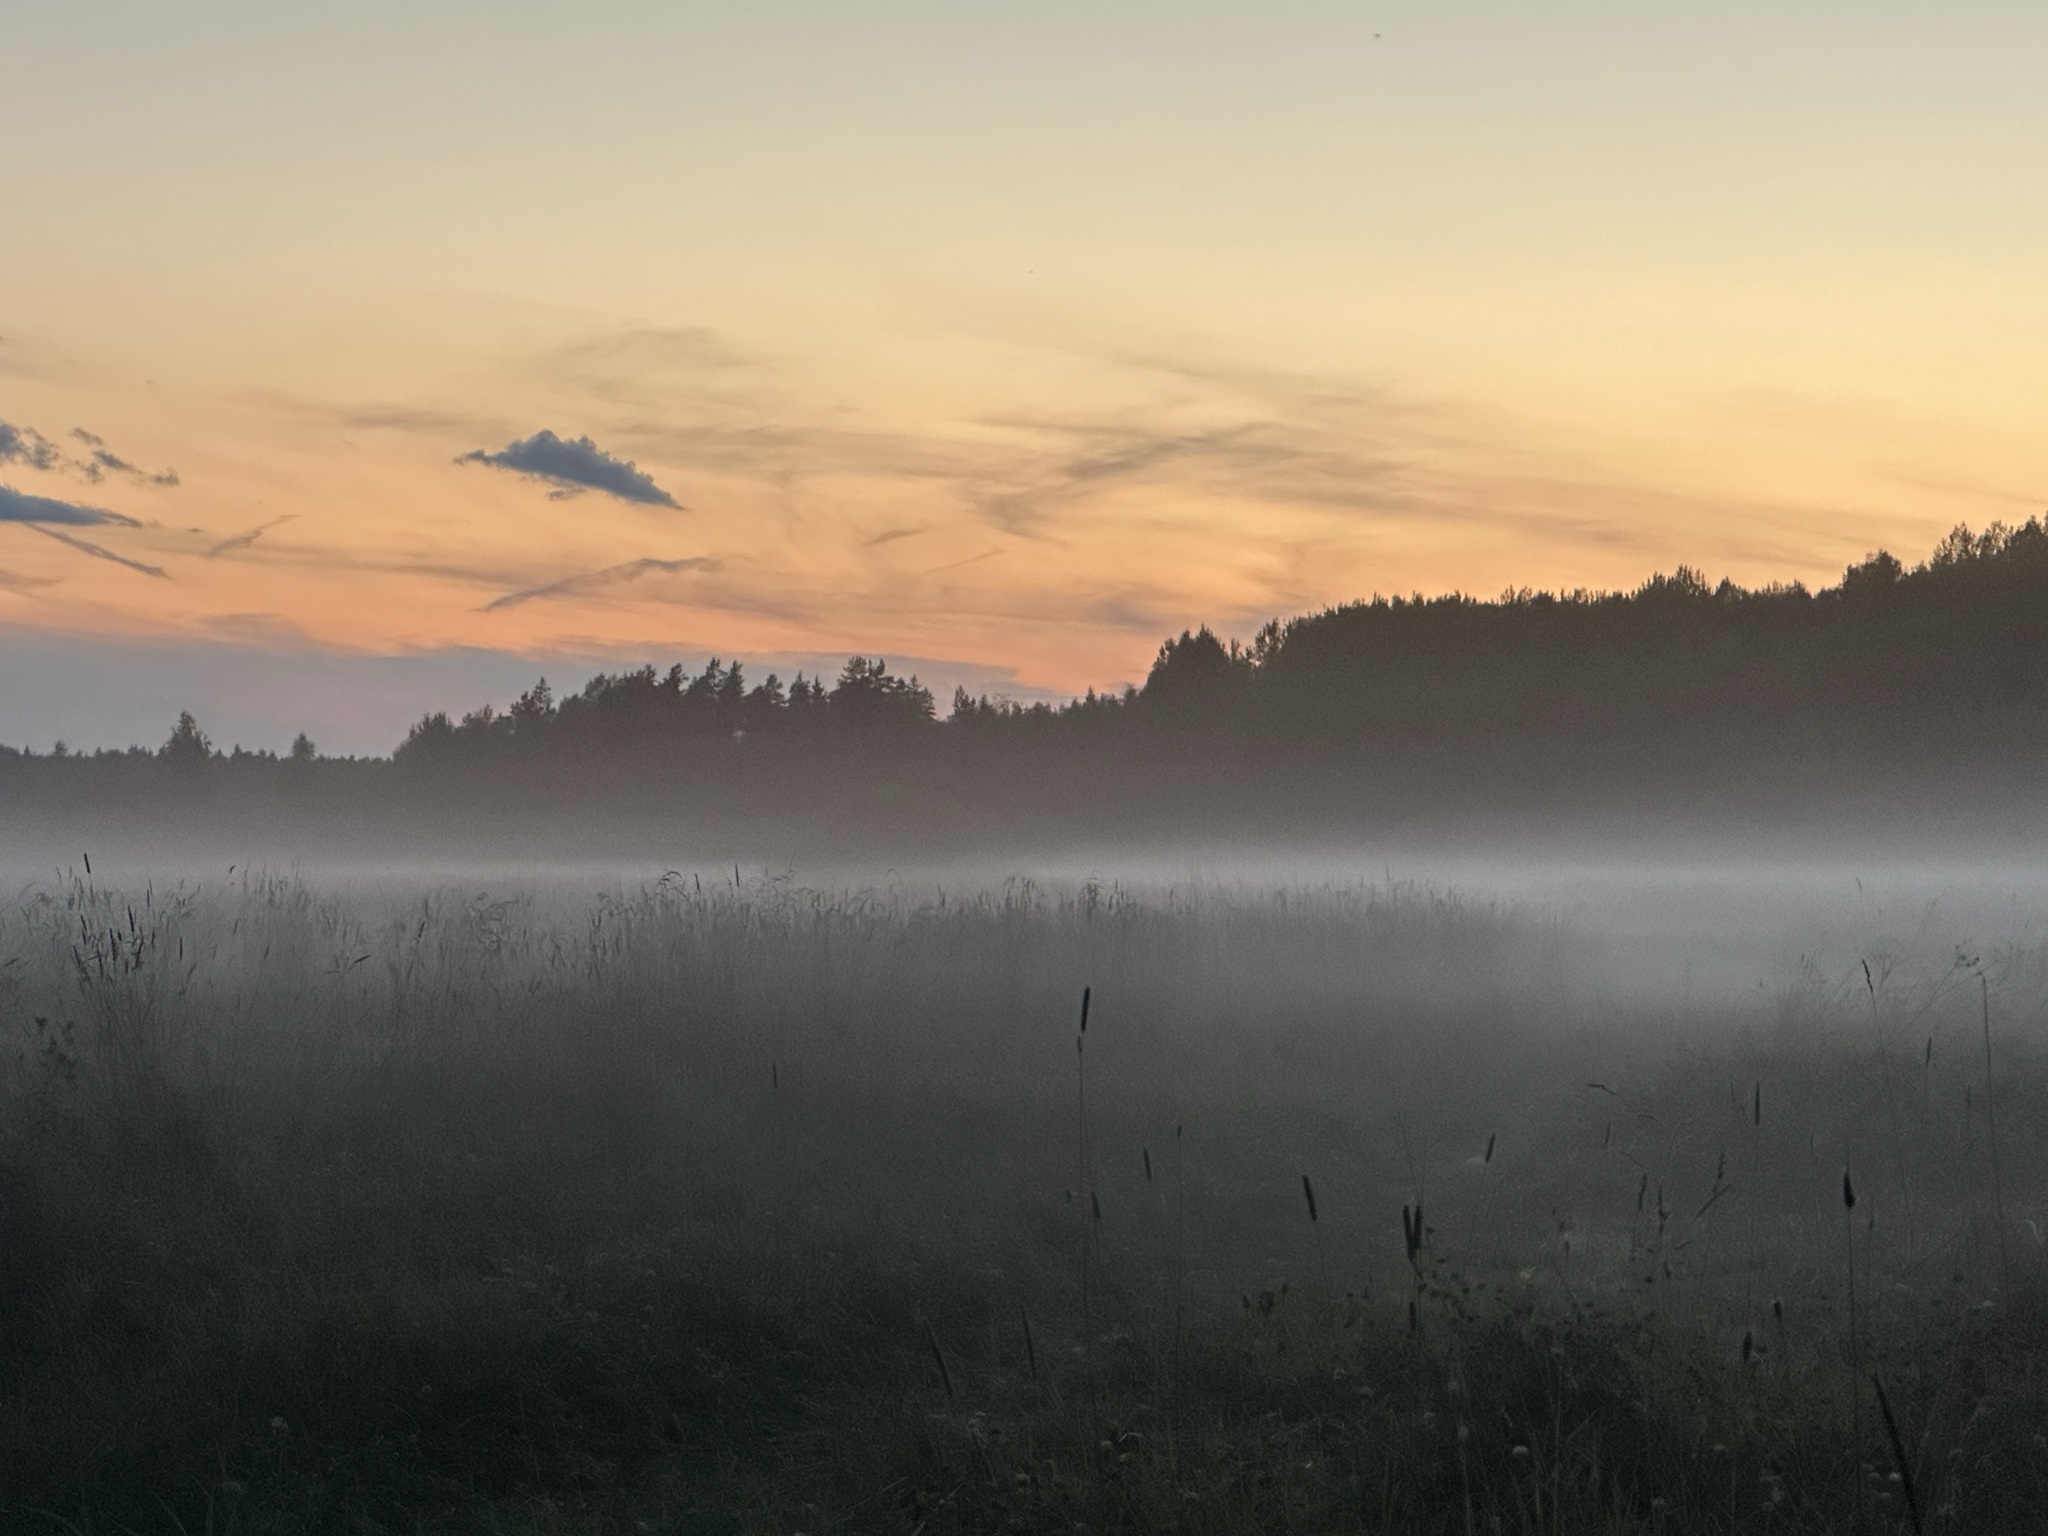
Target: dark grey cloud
[[21, 507], [25, 445], [574, 465], [98, 552], [102, 461], [592, 581]]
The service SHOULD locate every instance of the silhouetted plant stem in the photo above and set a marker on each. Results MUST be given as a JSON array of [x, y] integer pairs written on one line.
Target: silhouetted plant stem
[[1891, 1094], [1891, 1430], [1991, 1124], [1084, 1200]]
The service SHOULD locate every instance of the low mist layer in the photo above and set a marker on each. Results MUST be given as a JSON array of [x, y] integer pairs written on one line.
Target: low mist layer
[[730, 1204]]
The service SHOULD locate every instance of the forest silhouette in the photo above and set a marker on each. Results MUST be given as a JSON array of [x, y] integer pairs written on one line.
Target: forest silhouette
[[1899, 691]]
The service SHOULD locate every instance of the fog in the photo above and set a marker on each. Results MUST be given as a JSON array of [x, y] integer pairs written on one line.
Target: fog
[[1674, 927], [743, 1192]]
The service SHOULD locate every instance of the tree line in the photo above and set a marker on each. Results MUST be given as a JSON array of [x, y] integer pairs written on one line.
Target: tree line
[[1893, 674]]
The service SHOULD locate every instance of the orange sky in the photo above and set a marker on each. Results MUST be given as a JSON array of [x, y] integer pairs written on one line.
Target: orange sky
[[1009, 340]]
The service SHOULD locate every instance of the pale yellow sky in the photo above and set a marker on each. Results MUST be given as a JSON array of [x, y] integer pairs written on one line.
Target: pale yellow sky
[[1012, 337]]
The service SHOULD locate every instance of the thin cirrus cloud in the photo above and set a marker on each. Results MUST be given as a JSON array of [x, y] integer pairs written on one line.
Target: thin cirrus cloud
[[99, 552], [586, 582], [573, 466], [246, 537]]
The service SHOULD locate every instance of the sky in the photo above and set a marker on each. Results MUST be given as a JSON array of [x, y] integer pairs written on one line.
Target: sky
[[363, 358]]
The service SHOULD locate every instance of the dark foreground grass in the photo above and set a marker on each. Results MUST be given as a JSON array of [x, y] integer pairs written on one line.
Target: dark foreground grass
[[359, 1328], [588, 1274]]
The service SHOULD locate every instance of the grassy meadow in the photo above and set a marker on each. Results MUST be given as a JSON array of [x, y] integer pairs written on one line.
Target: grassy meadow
[[725, 1205]]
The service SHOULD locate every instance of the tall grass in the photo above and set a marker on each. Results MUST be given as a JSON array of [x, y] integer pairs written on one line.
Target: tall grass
[[471, 1190]]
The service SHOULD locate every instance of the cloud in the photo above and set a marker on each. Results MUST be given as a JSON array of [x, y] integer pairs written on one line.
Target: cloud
[[21, 507], [85, 546], [593, 581], [25, 445], [14, 581], [890, 536], [574, 466], [1335, 467], [954, 565], [378, 416], [247, 537], [104, 461]]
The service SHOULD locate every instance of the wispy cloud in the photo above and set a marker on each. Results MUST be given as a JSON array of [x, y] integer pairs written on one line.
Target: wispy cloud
[[954, 565], [247, 537], [87, 547], [21, 507], [1299, 464], [379, 415], [102, 461], [14, 581], [587, 582], [890, 536], [574, 465]]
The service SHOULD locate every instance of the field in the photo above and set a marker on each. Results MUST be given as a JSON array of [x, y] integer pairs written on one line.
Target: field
[[717, 1203]]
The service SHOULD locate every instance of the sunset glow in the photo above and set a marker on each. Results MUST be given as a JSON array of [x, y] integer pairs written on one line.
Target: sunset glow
[[1012, 339]]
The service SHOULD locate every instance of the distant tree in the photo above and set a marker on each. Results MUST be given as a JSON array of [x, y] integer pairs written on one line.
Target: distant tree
[[868, 696], [1683, 585], [699, 703], [429, 741], [187, 744], [767, 706], [533, 710], [303, 750], [1877, 575], [1194, 672], [732, 697]]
